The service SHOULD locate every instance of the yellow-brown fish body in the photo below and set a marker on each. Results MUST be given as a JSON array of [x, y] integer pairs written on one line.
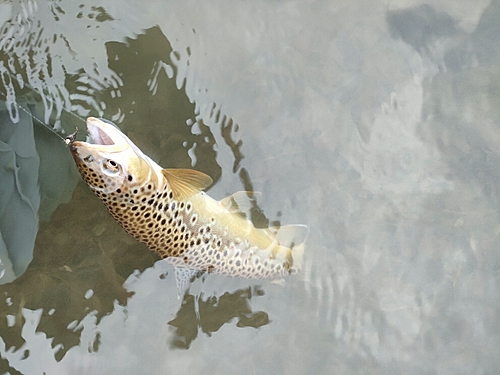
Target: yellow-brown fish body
[[168, 211]]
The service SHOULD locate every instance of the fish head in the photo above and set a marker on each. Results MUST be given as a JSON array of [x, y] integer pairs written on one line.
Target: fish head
[[109, 160]]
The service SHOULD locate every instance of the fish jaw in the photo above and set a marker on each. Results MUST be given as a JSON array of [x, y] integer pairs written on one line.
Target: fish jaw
[[109, 159]]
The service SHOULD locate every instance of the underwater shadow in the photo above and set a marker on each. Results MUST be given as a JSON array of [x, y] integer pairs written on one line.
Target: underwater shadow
[[209, 314]]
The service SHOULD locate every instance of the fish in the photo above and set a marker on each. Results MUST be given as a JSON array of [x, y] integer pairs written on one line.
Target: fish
[[168, 210]]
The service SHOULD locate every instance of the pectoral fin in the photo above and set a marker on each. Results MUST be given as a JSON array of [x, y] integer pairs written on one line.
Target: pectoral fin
[[186, 182]]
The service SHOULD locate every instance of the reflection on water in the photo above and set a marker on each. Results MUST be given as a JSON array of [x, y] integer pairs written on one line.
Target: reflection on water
[[91, 254]]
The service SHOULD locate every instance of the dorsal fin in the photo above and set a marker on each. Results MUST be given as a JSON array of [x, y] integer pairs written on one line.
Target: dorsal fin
[[186, 182], [240, 202]]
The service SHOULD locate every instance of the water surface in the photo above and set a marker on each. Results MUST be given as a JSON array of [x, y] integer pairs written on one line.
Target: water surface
[[374, 123]]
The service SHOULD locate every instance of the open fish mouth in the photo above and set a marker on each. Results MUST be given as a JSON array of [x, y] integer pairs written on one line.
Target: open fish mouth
[[102, 132], [102, 135], [98, 133]]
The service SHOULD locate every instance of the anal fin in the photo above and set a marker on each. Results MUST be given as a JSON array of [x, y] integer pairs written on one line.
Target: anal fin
[[183, 279]]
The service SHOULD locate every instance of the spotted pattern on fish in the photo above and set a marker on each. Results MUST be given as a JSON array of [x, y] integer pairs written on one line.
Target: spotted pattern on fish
[[175, 228]]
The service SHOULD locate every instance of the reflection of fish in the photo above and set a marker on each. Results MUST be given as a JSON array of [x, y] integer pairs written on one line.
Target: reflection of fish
[[167, 210]]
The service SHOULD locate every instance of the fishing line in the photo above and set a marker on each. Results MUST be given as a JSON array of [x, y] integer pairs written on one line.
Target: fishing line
[[49, 127]]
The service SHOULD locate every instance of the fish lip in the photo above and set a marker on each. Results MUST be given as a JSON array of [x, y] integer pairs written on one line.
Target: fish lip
[[70, 140]]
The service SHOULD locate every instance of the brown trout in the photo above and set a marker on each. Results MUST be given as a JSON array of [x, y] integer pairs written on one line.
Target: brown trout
[[167, 210]]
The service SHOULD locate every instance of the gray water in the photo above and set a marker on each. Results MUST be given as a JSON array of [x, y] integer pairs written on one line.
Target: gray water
[[374, 123]]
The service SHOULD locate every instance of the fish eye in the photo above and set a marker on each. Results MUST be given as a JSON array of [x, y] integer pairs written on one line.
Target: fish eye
[[110, 167]]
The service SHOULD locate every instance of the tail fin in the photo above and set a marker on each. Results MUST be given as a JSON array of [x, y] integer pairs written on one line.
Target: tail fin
[[293, 237]]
